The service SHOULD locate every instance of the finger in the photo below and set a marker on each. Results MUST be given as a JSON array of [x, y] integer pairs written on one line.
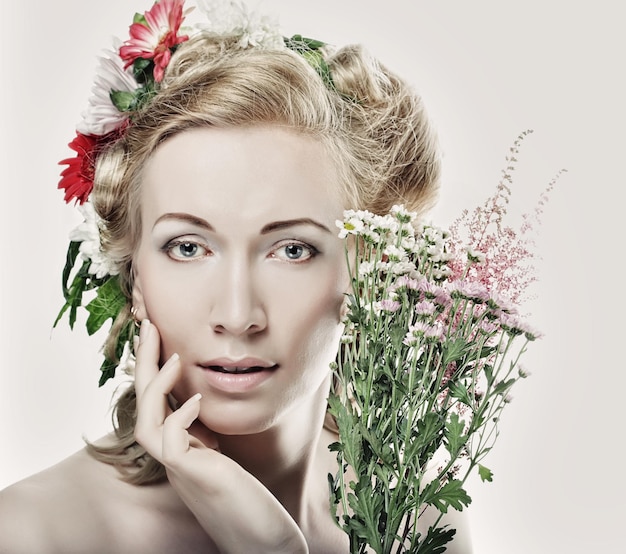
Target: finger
[[147, 357], [175, 435], [203, 435], [153, 406]]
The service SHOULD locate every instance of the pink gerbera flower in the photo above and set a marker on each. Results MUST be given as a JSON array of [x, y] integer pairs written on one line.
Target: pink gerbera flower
[[154, 39]]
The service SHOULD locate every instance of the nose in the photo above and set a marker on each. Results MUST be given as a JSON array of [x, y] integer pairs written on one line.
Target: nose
[[237, 307]]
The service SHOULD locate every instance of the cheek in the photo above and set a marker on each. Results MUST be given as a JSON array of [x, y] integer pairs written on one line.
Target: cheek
[[169, 301], [309, 317]]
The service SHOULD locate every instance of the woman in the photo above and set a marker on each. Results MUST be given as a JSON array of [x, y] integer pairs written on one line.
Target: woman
[[218, 201]]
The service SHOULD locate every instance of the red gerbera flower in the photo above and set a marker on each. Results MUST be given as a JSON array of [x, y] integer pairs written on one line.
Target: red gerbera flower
[[77, 178], [154, 39]]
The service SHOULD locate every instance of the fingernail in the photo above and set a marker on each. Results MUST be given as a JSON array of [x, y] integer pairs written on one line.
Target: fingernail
[[171, 362], [144, 331]]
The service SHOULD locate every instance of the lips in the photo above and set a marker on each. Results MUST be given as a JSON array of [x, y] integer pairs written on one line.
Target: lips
[[239, 377], [241, 366], [237, 370]]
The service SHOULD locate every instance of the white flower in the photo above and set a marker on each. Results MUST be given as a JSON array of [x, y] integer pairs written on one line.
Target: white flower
[[127, 361], [394, 253], [101, 116], [351, 225], [88, 234], [402, 214], [476, 256], [366, 268], [231, 18]]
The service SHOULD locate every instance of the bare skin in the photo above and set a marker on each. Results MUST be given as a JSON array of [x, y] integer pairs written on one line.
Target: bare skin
[[237, 267], [83, 506]]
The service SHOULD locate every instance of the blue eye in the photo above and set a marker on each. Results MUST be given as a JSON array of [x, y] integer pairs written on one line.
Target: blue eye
[[183, 250], [294, 252]]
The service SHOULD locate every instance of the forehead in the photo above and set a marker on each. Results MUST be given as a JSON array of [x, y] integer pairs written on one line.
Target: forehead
[[244, 172]]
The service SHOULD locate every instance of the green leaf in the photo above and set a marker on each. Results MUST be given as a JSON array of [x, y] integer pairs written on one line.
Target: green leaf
[[74, 294], [485, 473], [143, 71], [123, 100], [426, 438], [435, 541], [310, 50], [454, 434], [140, 18], [107, 304], [109, 366], [453, 350], [298, 41], [503, 386], [451, 494], [488, 370], [107, 370], [73, 251], [458, 390]]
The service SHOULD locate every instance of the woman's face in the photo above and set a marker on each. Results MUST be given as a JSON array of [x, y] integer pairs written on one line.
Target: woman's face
[[240, 268]]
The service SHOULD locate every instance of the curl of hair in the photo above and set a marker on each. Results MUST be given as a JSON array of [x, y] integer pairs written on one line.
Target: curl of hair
[[372, 124]]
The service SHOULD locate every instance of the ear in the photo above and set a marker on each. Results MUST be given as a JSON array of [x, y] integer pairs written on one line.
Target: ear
[[138, 299]]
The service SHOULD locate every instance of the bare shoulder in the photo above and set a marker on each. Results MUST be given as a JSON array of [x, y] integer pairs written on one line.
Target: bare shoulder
[[33, 512], [81, 505]]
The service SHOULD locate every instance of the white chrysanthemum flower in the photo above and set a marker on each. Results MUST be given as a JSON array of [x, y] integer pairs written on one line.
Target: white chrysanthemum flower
[[351, 225], [88, 234], [402, 214], [394, 253], [232, 18], [476, 256], [366, 268], [101, 116]]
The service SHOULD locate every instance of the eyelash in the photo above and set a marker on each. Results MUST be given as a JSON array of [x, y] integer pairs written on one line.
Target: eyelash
[[173, 244], [312, 251]]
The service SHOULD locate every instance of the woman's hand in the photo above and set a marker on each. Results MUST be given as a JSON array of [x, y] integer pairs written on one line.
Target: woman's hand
[[234, 508]]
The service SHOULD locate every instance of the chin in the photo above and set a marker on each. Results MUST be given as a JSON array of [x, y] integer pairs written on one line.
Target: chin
[[236, 420]]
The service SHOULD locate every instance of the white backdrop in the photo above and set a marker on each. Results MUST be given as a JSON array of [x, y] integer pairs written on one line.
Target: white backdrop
[[487, 69]]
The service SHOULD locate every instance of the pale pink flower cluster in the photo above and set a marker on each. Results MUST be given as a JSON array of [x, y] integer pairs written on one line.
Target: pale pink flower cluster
[[500, 257], [405, 265]]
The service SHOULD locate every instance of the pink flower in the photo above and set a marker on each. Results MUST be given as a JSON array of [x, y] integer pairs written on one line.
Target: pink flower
[[404, 282], [425, 308], [388, 305], [469, 290], [155, 39]]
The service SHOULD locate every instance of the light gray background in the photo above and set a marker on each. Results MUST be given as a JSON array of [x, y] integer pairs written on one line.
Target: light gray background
[[487, 69]]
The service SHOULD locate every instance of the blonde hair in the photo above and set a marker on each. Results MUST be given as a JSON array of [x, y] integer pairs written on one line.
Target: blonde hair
[[372, 124]]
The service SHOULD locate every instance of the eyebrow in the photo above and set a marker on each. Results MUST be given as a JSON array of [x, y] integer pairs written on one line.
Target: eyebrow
[[269, 228], [277, 225], [180, 216]]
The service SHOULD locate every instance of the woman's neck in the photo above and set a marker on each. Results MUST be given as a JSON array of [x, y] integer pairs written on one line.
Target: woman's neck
[[286, 458]]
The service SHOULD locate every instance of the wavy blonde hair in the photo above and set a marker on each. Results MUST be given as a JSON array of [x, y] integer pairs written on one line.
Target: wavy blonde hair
[[373, 126]]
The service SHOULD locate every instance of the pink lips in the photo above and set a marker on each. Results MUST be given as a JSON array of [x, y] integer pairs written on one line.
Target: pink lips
[[237, 376]]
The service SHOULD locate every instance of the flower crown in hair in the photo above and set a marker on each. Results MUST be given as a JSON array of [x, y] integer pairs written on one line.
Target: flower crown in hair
[[128, 77]]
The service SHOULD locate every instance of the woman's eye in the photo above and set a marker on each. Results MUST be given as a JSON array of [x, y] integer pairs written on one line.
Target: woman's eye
[[186, 250], [294, 252]]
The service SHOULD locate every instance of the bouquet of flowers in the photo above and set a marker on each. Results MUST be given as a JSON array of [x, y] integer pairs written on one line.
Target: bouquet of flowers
[[430, 354]]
